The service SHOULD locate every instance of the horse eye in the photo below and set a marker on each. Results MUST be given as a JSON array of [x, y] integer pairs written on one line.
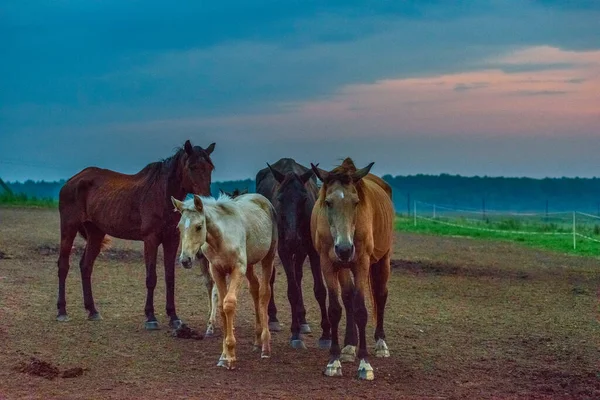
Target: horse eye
[[327, 203], [198, 228]]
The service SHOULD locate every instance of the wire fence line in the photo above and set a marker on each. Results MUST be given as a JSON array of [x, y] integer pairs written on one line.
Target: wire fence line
[[576, 224]]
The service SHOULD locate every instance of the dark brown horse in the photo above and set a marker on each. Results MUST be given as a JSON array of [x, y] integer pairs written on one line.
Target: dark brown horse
[[292, 189], [98, 202], [352, 229], [236, 192]]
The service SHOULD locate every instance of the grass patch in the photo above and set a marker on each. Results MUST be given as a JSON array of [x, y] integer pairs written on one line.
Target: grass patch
[[22, 200], [560, 243]]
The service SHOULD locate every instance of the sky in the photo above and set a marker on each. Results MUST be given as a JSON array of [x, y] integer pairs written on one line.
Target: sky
[[497, 88]]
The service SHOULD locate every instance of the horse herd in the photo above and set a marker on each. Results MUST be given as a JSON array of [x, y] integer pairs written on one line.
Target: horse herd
[[344, 227]]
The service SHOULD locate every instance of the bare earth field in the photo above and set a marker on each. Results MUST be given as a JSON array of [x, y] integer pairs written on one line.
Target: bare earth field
[[465, 319]]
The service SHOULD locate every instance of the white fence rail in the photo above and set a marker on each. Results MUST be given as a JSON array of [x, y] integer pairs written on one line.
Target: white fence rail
[[579, 225]]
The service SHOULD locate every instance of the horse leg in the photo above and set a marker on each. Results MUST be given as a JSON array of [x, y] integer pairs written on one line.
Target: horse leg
[[380, 273], [321, 296], [221, 286], [298, 264], [86, 266], [211, 288], [67, 236], [334, 366], [170, 246], [229, 307], [274, 324], [254, 286], [268, 270], [350, 340], [150, 252], [361, 279], [292, 292]]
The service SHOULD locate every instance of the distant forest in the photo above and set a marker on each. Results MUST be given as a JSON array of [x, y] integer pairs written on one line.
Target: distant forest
[[493, 193]]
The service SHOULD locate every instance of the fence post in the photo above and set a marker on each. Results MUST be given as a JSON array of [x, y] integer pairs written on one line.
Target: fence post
[[434, 211], [574, 233], [415, 213]]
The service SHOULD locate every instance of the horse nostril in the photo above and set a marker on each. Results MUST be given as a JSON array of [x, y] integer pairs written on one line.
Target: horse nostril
[[344, 252], [186, 262]]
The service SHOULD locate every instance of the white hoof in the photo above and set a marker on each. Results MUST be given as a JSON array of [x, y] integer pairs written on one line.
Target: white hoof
[[381, 349], [334, 368], [365, 371], [348, 354]]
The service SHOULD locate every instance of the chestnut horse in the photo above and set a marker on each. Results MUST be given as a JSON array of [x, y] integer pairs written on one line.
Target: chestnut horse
[[292, 189], [98, 202], [233, 235], [352, 229]]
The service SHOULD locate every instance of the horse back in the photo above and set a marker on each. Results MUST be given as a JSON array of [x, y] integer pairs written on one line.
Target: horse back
[[259, 219]]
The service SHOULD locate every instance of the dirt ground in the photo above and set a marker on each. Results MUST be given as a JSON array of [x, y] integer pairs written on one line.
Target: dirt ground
[[465, 319]]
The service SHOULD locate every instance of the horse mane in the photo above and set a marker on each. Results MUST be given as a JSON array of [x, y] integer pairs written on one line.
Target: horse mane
[[342, 173], [155, 170], [224, 201]]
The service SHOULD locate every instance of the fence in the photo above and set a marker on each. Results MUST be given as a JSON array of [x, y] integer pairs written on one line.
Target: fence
[[574, 224]]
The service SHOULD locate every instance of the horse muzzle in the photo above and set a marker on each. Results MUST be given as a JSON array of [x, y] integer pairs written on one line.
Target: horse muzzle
[[344, 252], [186, 262]]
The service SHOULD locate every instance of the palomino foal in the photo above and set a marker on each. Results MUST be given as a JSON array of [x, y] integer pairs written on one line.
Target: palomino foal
[[352, 229], [233, 235]]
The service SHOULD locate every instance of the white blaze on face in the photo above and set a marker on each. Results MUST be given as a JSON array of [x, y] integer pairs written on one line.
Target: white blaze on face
[[186, 224], [338, 238]]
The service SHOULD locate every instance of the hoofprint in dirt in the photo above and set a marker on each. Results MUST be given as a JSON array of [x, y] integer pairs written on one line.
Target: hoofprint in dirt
[[467, 319]]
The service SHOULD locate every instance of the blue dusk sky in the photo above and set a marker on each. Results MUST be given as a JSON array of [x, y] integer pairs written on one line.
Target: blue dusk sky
[[500, 87]]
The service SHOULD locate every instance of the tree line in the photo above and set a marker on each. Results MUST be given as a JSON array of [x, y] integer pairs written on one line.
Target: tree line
[[498, 193]]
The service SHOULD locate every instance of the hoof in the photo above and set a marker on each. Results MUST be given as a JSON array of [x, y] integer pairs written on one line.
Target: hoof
[[62, 318], [334, 368], [95, 317], [175, 324], [348, 354], [381, 349], [275, 326], [210, 331], [265, 354], [151, 325], [305, 329], [298, 344], [365, 371], [225, 363], [324, 344]]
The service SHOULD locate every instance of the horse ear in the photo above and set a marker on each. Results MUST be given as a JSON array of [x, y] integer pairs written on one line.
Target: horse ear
[[178, 204], [320, 173], [222, 191], [361, 173], [198, 203], [188, 147], [210, 149], [279, 177], [307, 175]]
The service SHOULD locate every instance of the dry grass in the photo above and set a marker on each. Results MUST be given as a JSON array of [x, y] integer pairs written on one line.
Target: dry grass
[[465, 319]]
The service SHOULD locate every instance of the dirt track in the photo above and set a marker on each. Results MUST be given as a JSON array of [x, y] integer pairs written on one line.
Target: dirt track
[[465, 319]]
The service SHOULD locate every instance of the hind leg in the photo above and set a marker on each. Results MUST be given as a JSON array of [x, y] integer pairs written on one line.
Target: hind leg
[[254, 286], [86, 265], [67, 236], [265, 293], [298, 271], [380, 273], [274, 324]]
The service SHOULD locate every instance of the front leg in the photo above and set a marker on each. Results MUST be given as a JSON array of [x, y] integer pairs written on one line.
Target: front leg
[[150, 250], [170, 246], [361, 279], [334, 367], [350, 340]]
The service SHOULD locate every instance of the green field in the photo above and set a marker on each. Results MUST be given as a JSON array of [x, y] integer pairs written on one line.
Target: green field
[[552, 236], [22, 200]]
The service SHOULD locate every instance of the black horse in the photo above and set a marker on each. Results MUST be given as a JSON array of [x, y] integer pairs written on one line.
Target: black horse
[[292, 188]]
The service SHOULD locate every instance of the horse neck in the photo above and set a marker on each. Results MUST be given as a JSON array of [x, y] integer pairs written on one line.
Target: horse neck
[[214, 232]]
